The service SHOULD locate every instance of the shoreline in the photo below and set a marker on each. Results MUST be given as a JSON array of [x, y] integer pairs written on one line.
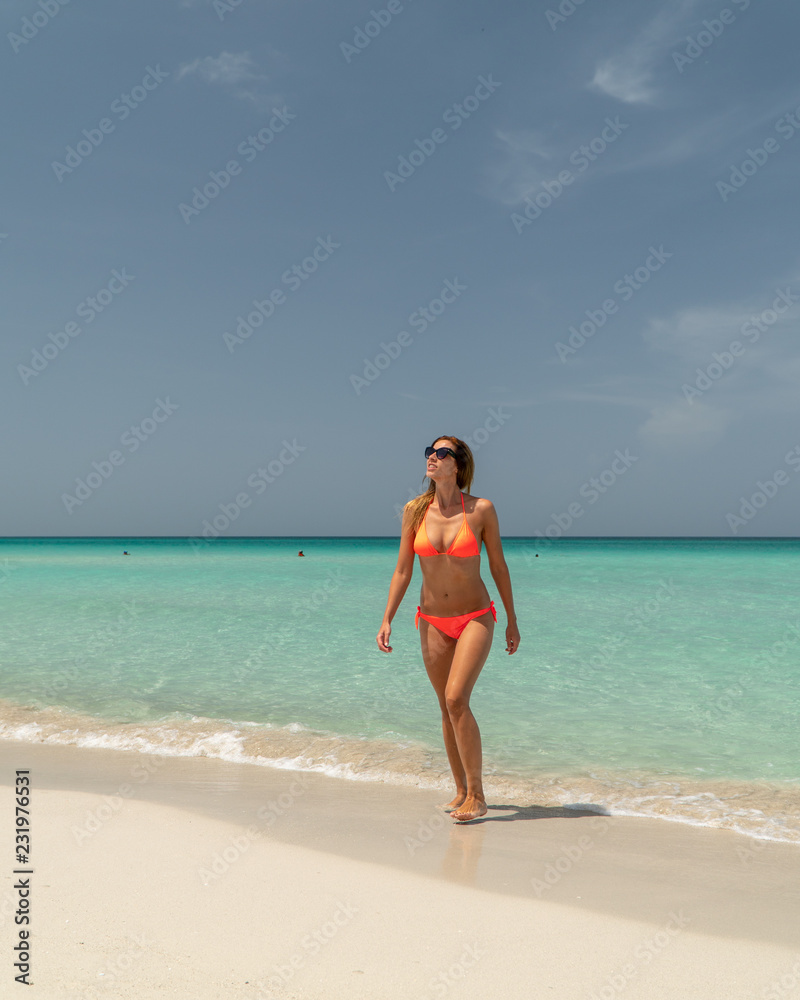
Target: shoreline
[[229, 876], [512, 852], [767, 811]]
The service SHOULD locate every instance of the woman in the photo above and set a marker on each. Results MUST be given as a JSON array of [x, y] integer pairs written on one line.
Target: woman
[[445, 528]]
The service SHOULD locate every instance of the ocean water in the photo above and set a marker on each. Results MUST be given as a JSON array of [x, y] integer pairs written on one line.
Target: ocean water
[[655, 677]]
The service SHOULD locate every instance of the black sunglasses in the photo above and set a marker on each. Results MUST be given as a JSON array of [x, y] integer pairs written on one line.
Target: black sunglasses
[[440, 453]]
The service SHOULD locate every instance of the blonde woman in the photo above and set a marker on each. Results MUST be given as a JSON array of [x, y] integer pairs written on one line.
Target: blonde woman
[[445, 528]]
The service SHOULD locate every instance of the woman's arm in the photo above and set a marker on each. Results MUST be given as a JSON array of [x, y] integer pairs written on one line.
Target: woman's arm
[[499, 571], [399, 583]]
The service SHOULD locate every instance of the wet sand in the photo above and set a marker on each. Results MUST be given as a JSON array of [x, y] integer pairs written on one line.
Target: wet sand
[[164, 876]]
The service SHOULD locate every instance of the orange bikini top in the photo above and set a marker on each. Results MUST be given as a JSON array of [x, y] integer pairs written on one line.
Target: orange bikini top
[[464, 544]]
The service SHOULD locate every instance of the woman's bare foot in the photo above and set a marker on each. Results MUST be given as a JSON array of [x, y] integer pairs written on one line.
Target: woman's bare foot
[[455, 803], [472, 808]]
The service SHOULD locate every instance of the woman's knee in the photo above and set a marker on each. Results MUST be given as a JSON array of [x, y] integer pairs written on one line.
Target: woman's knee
[[457, 703]]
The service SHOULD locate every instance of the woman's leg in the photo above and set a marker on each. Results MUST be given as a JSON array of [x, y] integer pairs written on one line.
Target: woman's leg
[[471, 652], [453, 667], [437, 655]]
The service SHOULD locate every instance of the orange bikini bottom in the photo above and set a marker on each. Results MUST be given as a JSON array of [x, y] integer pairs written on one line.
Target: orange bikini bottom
[[454, 625]]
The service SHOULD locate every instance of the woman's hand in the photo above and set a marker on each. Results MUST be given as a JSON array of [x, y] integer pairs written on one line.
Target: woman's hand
[[383, 638], [512, 638]]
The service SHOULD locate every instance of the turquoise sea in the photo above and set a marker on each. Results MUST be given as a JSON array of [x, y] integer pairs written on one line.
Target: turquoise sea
[[656, 677]]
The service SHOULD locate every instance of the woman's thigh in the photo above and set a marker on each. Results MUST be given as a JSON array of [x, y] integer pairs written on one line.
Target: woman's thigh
[[437, 655], [453, 665], [469, 656]]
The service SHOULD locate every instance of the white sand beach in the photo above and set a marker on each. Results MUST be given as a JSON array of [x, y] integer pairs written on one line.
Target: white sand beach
[[185, 877]]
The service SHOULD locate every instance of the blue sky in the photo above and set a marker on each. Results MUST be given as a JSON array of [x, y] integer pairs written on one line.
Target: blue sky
[[565, 233]]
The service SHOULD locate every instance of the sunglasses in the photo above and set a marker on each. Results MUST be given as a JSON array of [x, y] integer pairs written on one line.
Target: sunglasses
[[440, 453]]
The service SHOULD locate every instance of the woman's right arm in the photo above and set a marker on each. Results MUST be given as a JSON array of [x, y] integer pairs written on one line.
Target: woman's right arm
[[400, 581]]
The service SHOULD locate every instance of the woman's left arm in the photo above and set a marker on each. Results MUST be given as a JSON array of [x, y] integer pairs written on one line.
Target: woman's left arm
[[499, 571]]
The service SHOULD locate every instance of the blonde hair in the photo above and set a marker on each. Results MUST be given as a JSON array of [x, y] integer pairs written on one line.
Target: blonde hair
[[465, 470]]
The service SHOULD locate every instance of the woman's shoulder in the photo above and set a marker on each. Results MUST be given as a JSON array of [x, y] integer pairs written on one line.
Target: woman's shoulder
[[411, 504], [478, 505]]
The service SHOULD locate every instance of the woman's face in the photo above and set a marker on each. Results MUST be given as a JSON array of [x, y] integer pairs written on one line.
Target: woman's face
[[439, 467]]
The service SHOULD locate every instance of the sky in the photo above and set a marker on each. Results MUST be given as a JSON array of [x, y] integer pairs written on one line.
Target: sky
[[256, 255]]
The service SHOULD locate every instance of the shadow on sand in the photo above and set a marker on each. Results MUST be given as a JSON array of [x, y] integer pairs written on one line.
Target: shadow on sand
[[515, 812]]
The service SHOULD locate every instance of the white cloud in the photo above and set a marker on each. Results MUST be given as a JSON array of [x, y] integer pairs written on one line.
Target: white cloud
[[683, 425], [626, 78], [715, 135], [237, 72], [692, 334], [226, 68], [762, 374], [523, 167], [628, 75]]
